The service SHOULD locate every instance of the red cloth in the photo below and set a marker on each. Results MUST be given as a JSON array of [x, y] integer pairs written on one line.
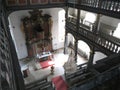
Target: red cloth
[[46, 63], [59, 83]]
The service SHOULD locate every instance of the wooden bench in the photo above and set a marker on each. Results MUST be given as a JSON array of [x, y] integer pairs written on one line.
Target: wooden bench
[[42, 84], [80, 69]]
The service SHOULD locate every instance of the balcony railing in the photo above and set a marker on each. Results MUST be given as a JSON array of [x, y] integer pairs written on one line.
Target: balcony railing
[[31, 2], [106, 7], [108, 42], [112, 5]]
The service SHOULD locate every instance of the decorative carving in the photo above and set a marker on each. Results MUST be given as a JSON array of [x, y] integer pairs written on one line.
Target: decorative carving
[[70, 66], [37, 30]]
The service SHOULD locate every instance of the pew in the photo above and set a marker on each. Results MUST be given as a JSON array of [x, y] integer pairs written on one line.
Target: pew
[[41, 84], [80, 75], [45, 86], [80, 69], [80, 78], [77, 73]]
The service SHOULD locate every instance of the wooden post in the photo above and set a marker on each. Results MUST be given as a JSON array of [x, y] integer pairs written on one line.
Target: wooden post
[[96, 26], [90, 62], [66, 37], [66, 44], [76, 49]]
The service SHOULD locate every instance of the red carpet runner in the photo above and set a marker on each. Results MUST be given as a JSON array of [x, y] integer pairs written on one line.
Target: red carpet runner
[[46, 63], [59, 83]]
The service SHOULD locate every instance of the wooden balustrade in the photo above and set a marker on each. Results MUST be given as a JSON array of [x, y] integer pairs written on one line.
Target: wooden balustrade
[[79, 71], [112, 5], [109, 42], [42, 84], [31, 2], [104, 68]]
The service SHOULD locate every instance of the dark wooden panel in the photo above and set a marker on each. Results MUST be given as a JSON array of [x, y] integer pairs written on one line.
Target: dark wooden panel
[[11, 2], [61, 0], [22, 2], [34, 1], [54, 1], [43, 1]]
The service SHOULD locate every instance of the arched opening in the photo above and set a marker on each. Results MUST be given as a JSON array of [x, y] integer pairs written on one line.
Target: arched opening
[[83, 51], [98, 56], [71, 41], [117, 31], [89, 19]]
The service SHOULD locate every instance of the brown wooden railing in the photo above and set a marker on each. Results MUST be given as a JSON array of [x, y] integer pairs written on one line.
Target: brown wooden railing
[[31, 2], [112, 5], [108, 42]]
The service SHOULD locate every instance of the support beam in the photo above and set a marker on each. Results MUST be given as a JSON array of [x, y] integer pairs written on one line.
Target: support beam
[[78, 19], [77, 28]]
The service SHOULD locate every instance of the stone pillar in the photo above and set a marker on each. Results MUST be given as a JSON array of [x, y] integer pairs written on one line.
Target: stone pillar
[[76, 49], [66, 44], [90, 62]]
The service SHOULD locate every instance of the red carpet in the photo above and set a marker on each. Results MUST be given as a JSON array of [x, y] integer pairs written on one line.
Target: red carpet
[[59, 83], [46, 63]]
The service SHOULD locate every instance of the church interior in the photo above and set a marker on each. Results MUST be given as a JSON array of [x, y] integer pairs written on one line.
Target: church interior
[[60, 45]]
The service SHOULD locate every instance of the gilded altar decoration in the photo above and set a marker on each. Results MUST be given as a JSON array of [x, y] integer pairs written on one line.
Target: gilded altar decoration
[[37, 28]]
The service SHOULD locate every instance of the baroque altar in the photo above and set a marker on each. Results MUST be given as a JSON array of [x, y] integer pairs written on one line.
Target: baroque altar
[[37, 29]]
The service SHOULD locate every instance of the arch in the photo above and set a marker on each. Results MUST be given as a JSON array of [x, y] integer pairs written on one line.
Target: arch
[[90, 17], [83, 49], [117, 31], [98, 56], [71, 39]]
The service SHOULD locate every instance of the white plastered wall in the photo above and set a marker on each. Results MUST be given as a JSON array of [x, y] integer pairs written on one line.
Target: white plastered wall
[[19, 36]]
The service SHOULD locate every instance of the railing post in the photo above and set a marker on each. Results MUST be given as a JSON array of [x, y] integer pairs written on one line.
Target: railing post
[[100, 3]]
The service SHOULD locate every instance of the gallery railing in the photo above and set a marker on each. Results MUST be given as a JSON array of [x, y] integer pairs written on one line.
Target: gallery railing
[[32, 2], [104, 71], [108, 42], [112, 5]]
